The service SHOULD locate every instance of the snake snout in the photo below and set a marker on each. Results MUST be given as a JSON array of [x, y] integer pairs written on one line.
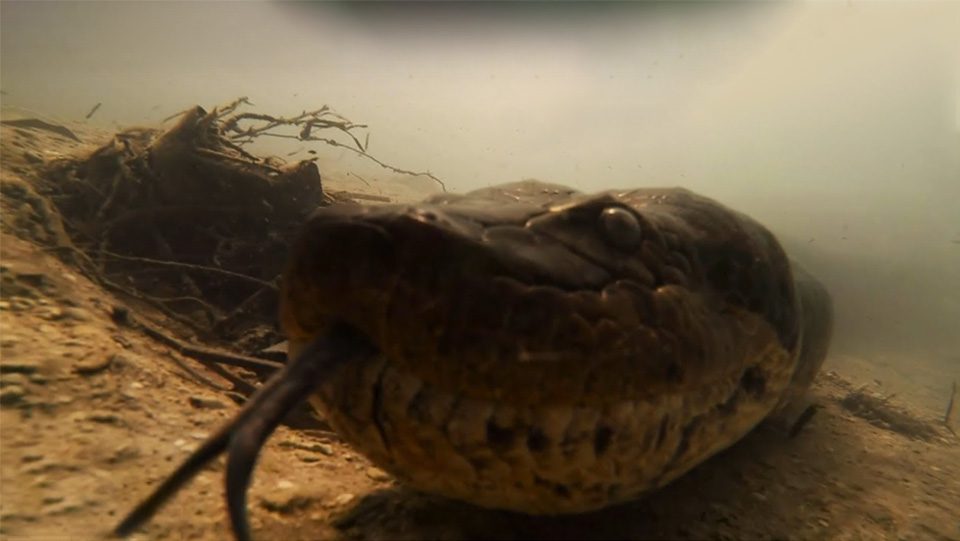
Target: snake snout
[[341, 263], [362, 265]]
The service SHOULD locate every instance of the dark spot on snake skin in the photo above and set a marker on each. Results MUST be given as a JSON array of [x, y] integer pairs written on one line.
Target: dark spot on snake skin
[[537, 441], [662, 432], [479, 464], [682, 447], [721, 274], [685, 439], [601, 439], [417, 407], [674, 372], [377, 407], [753, 381], [500, 439], [558, 488]]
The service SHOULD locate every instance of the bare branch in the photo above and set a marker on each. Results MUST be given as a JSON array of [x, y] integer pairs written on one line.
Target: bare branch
[[189, 266], [427, 174], [243, 127]]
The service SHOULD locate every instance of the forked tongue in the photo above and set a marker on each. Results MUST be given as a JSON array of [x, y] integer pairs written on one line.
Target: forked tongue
[[244, 435]]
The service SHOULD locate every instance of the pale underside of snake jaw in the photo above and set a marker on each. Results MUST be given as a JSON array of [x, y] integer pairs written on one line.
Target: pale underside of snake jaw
[[549, 352]]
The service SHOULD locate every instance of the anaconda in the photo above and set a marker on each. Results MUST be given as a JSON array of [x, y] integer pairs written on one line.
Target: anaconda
[[532, 348]]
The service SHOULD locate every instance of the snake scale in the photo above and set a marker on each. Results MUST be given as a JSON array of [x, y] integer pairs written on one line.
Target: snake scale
[[532, 348]]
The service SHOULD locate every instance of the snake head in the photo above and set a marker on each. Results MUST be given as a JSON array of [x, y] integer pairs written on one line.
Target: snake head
[[480, 291]]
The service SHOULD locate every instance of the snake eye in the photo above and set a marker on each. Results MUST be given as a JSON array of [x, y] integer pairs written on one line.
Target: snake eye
[[621, 227]]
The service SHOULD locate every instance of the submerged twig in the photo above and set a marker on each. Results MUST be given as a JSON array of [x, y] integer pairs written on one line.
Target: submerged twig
[[37, 124], [175, 115], [92, 111], [190, 266], [803, 419], [363, 153], [308, 124], [206, 355]]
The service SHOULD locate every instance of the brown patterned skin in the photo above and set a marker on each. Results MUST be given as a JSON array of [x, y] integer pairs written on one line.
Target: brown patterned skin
[[546, 351]]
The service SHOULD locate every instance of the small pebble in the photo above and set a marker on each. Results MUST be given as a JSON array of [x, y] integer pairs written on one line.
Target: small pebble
[[21, 303], [12, 394], [17, 517], [321, 448], [63, 507], [13, 379], [103, 417], [377, 474], [120, 361], [46, 466], [285, 502], [9, 366], [309, 459], [200, 402], [94, 364], [41, 481], [122, 341], [51, 313], [75, 314], [325, 449], [123, 453], [343, 499]]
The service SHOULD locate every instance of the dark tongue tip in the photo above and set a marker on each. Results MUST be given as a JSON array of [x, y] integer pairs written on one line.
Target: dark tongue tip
[[244, 435]]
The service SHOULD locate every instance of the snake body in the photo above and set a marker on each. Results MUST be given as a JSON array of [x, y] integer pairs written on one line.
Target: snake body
[[546, 351]]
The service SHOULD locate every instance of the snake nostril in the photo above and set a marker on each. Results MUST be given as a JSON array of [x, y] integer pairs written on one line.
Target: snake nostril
[[537, 441], [753, 381], [674, 372], [601, 440], [500, 438]]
